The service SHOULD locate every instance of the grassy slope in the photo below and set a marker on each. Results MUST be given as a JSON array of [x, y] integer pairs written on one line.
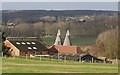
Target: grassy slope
[[19, 65], [75, 41]]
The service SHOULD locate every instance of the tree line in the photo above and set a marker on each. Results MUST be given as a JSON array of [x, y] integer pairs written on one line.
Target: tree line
[[48, 26]]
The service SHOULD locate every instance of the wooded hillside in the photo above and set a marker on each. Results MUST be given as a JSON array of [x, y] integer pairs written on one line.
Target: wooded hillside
[[46, 23]]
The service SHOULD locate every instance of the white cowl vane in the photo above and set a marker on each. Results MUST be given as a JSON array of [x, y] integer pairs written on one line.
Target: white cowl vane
[[58, 39], [67, 41]]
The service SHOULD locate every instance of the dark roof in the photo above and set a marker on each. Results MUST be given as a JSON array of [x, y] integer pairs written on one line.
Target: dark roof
[[28, 45], [21, 38]]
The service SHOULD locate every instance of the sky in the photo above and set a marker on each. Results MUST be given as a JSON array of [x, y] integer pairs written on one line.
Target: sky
[[60, 0], [59, 6]]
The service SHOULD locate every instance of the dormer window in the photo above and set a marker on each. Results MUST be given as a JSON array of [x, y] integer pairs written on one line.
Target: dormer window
[[23, 43], [34, 47], [29, 48], [33, 42], [28, 43], [17, 43]]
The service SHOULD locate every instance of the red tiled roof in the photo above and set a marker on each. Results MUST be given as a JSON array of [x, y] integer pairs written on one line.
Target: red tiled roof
[[67, 49]]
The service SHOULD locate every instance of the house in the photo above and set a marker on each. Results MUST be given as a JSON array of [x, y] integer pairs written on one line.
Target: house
[[21, 46]]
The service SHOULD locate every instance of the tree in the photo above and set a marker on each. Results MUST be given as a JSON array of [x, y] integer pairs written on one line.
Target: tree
[[108, 42], [5, 50]]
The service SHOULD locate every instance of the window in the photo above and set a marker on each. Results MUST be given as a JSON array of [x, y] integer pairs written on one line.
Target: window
[[23, 43], [28, 43], [34, 47], [17, 43], [33, 42], [29, 48]]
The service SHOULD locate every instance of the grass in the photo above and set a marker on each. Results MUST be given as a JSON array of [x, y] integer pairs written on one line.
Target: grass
[[75, 41], [20, 65]]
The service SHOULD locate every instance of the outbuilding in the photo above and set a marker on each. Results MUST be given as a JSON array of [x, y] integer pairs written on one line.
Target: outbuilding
[[22, 46], [88, 58]]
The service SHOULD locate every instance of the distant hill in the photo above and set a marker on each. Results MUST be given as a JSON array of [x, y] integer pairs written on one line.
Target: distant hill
[[47, 22], [36, 14]]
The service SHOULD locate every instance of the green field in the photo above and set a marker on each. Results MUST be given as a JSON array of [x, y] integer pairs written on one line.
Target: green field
[[75, 41], [20, 65]]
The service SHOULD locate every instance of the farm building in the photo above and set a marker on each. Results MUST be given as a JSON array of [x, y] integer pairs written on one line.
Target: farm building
[[20, 46], [88, 58], [66, 48], [78, 57]]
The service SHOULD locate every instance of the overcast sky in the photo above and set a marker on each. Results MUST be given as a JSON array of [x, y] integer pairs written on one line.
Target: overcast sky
[[59, 5], [60, 0]]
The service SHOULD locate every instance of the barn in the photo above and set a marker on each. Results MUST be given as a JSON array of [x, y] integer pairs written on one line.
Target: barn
[[20, 46], [65, 49], [85, 57], [88, 58], [70, 52]]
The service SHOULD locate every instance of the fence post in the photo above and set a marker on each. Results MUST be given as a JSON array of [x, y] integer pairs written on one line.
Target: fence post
[[2, 54], [116, 61], [80, 59], [52, 58], [92, 59], [40, 57], [65, 58], [14, 55], [26, 56], [104, 61], [58, 54]]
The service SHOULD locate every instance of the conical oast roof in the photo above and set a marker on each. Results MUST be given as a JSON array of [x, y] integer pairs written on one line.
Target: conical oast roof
[[67, 41], [58, 39]]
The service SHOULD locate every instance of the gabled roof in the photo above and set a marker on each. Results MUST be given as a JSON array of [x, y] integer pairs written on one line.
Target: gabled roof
[[28, 45], [67, 49]]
